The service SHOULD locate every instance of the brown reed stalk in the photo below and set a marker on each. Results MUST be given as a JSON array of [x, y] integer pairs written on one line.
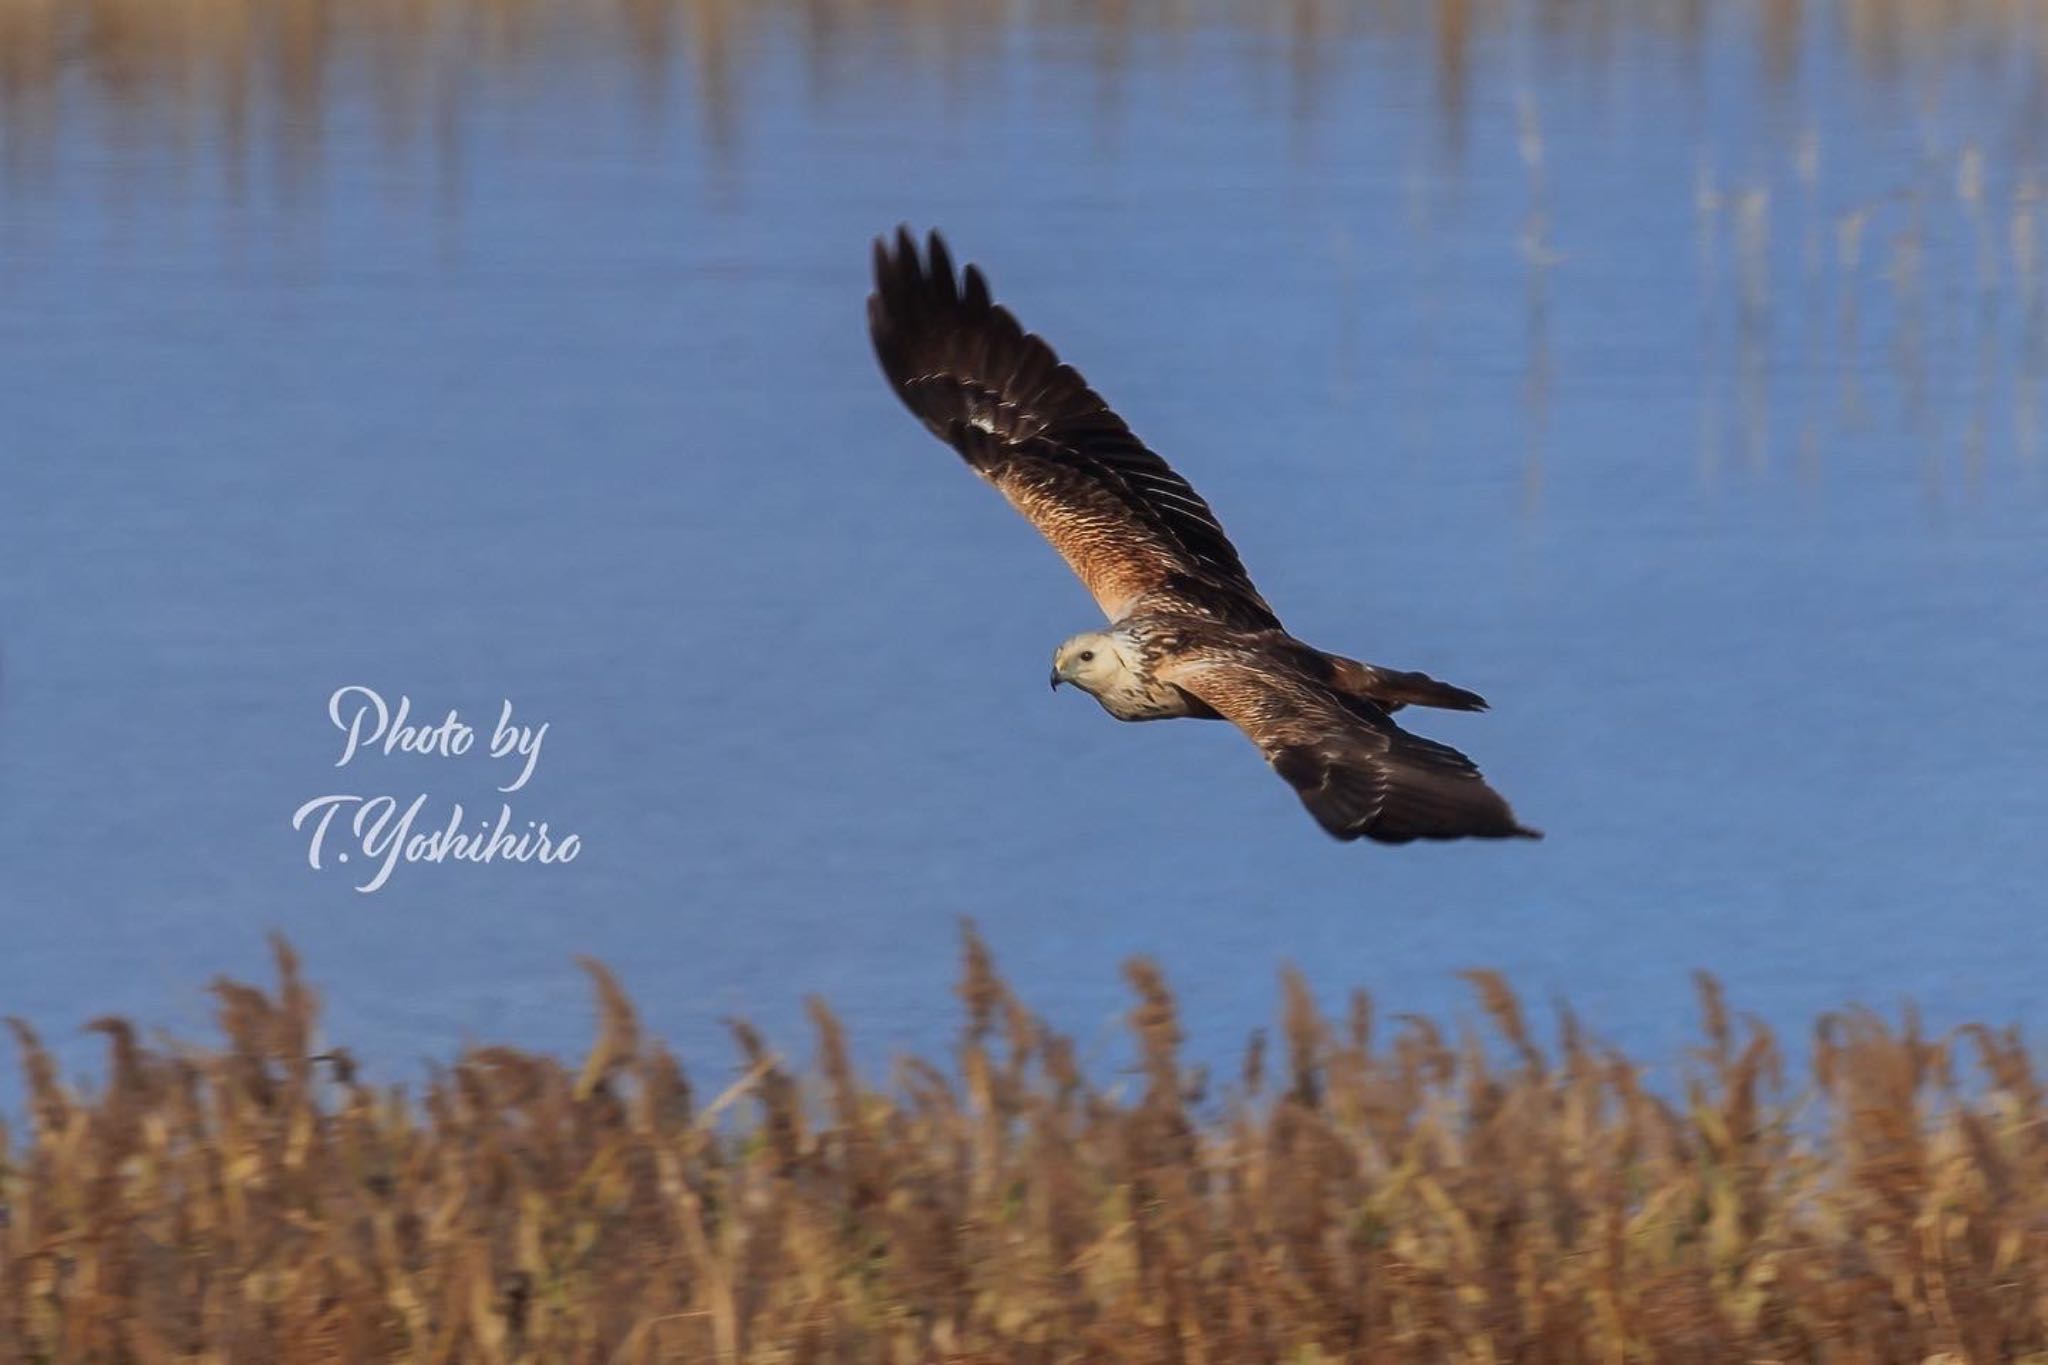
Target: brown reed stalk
[[1416, 1199]]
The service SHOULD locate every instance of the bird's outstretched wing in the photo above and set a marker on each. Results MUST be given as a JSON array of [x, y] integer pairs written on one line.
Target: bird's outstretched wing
[[1131, 528], [1359, 774]]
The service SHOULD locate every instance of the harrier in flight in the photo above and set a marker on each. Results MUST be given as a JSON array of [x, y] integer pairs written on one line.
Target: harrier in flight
[[1188, 633]]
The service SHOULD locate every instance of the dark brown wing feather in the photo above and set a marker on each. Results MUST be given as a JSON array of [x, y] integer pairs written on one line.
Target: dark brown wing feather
[[1359, 774], [1125, 522]]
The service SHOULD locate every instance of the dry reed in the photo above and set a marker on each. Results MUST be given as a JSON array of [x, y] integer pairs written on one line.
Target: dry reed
[[1412, 1194]]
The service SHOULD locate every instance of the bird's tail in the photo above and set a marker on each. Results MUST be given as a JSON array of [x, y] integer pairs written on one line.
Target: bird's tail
[[1392, 688]]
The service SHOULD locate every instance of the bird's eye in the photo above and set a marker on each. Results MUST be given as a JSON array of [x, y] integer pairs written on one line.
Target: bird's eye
[[1087, 656]]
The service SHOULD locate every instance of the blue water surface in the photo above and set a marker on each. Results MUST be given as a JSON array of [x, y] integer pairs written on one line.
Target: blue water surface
[[1682, 402]]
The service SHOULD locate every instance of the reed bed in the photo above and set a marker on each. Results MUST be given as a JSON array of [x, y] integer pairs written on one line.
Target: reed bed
[[1413, 1193]]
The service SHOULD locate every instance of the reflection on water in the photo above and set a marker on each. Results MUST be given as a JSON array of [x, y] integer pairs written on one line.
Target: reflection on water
[[1672, 373]]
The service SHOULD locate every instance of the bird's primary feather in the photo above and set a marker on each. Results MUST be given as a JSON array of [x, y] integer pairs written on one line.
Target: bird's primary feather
[[1134, 531], [1359, 774]]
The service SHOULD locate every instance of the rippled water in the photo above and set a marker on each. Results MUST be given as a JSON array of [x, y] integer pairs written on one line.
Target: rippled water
[[1674, 383]]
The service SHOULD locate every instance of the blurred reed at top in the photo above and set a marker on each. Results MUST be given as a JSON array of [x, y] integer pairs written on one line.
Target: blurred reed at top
[[226, 73]]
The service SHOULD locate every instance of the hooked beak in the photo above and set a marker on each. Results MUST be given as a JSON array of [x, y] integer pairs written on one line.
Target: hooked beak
[[1056, 680]]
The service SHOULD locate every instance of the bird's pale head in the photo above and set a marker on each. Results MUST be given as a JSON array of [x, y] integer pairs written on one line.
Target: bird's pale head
[[1091, 662]]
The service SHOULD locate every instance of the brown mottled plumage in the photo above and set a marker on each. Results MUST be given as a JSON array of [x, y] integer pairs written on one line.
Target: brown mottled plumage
[[1189, 634]]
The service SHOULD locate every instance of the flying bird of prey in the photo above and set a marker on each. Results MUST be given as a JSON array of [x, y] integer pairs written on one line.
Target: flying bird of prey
[[1188, 633]]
